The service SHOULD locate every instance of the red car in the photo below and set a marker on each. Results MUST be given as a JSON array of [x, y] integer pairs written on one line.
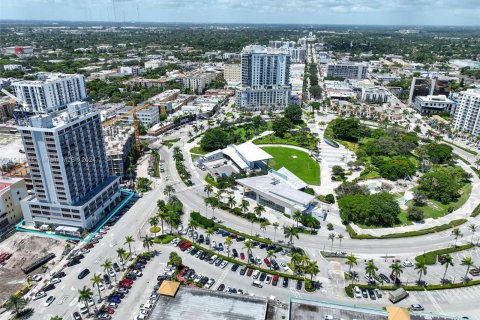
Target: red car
[[275, 280], [267, 262], [233, 236], [126, 286], [182, 273], [88, 246], [180, 244], [249, 272], [185, 246], [242, 256], [109, 310]]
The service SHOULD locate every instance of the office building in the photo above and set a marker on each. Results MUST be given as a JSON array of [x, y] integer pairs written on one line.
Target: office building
[[430, 85], [148, 117], [265, 78], [297, 55], [7, 106], [347, 70], [232, 73], [433, 104], [467, 112], [53, 92], [68, 166], [131, 71], [323, 57], [12, 191]]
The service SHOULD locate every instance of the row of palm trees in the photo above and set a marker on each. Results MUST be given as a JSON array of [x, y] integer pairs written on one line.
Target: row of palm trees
[[302, 264], [181, 168], [397, 269]]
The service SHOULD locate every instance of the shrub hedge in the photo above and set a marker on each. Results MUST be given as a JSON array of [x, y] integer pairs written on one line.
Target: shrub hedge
[[431, 256]]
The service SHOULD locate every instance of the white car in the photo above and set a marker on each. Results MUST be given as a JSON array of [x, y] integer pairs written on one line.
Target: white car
[[138, 273], [357, 292], [148, 305], [408, 263], [39, 295], [101, 287], [214, 244], [113, 305], [268, 279], [140, 317], [111, 272], [37, 277], [224, 264], [91, 303], [49, 301], [175, 241], [284, 266], [189, 249], [55, 281], [209, 284]]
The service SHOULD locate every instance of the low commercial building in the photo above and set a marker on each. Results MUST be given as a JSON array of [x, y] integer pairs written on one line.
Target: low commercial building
[[131, 71], [376, 95], [246, 156], [154, 64], [12, 191], [11, 67], [313, 309], [148, 117], [279, 190], [338, 90], [433, 104], [193, 303], [347, 70]]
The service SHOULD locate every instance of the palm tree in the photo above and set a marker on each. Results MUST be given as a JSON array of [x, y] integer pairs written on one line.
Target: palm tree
[[295, 259], [121, 253], [173, 219], [263, 226], [270, 255], [154, 223], [252, 219], [107, 264], [208, 189], [244, 206], [147, 242], [248, 245], [473, 228], [209, 232], [397, 270], [231, 201], [207, 203], [467, 261], [331, 236], [96, 282], [297, 216], [162, 215], [456, 233], [275, 226], [447, 261], [312, 269], [168, 190], [289, 233], [351, 261], [371, 269], [421, 266], [129, 240], [340, 238], [192, 225], [84, 295], [259, 209], [15, 302], [228, 243]]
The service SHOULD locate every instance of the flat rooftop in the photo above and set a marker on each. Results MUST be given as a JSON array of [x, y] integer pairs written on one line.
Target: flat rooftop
[[193, 303]]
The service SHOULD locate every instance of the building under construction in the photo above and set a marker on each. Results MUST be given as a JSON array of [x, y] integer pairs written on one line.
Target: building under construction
[[119, 142]]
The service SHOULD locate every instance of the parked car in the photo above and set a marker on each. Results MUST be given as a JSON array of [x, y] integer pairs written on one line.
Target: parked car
[[357, 292], [262, 277], [83, 274], [224, 264], [234, 267], [299, 284], [116, 267], [235, 253], [221, 287], [268, 280], [416, 307], [106, 279], [275, 280], [371, 294], [285, 282], [384, 278], [218, 262], [249, 272], [39, 295], [378, 293], [76, 316], [243, 270], [49, 301], [59, 274], [267, 262], [220, 247], [364, 293], [242, 256]]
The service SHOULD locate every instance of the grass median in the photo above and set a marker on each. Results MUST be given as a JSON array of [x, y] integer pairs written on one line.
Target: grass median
[[431, 256]]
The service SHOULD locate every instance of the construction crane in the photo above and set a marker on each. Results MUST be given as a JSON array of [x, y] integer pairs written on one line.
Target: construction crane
[[23, 105], [133, 113]]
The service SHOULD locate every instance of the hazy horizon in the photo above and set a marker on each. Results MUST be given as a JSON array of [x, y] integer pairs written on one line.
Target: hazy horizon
[[302, 12]]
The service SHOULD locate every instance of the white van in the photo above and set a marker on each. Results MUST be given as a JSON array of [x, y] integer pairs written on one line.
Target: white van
[[257, 283]]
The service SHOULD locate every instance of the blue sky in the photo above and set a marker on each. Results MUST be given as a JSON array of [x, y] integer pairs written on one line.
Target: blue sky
[[404, 12]]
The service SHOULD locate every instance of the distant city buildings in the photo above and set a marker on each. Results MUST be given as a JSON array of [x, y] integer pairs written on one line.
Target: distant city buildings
[[52, 92], [19, 50], [297, 54], [12, 191], [11, 67], [467, 112], [68, 166], [433, 104], [131, 71], [265, 78], [154, 64], [347, 70]]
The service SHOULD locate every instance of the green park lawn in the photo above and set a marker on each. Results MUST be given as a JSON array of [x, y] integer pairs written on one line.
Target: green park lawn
[[298, 162]]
